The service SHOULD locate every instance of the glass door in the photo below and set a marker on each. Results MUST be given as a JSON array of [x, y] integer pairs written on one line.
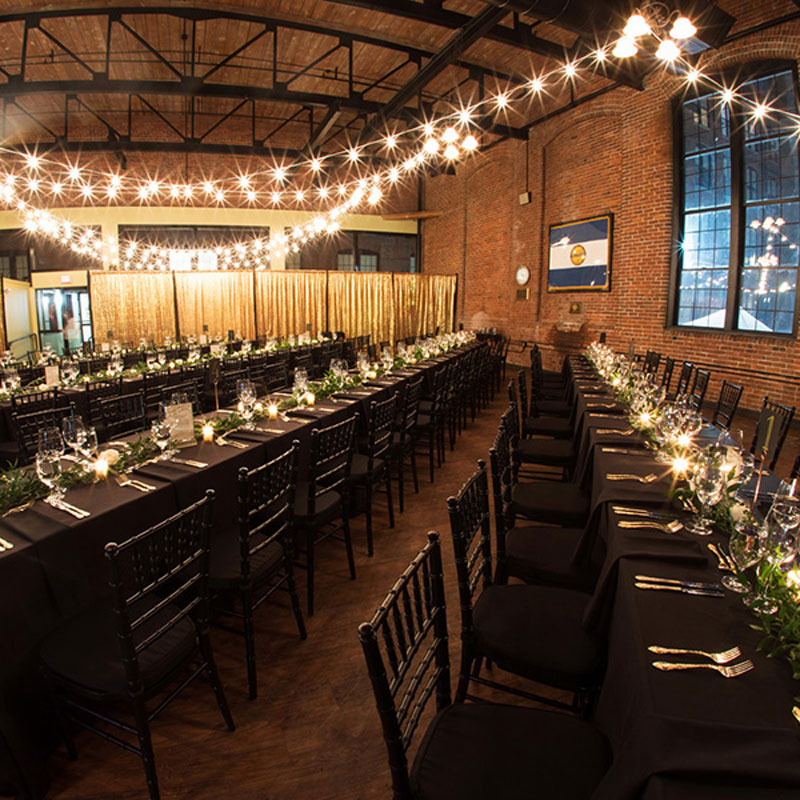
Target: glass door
[[65, 321]]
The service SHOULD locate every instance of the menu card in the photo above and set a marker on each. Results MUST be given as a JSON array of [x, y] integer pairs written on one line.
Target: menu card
[[51, 375], [182, 422]]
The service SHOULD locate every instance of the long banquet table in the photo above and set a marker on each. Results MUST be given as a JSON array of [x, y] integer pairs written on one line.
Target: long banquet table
[[57, 567], [675, 735]]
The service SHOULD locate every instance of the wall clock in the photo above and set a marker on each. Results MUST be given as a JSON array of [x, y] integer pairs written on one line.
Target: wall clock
[[523, 275]]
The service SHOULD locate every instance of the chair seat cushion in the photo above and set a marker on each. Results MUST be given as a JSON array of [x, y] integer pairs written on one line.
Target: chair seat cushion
[[225, 567], [326, 504], [556, 408], [559, 427], [359, 467], [85, 650], [541, 554], [546, 451], [537, 632], [474, 751], [548, 501]]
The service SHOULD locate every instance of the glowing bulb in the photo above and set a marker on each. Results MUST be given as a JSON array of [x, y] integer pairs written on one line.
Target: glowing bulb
[[625, 47], [501, 100], [244, 181], [570, 70], [299, 195], [431, 145], [188, 191], [323, 192], [342, 190], [391, 141], [760, 110], [727, 96], [470, 143], [374, 196], [352, 154], [208, 187], [219, 196], [153, 187], [465, 116], [74, 174], [684, 440], [668, 50], [87, 191], [682, 28], [32, 161], [636, 26], [680, 465], [316, 165], [251, 196], [174, 191], [692, 75], [600, 55], [56, 189], [450, 136], [280, 174], [451, 152], [428, 129], [394, 175], [536, 85]]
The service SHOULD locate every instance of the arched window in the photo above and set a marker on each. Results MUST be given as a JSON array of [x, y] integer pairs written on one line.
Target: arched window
[[738, 207]]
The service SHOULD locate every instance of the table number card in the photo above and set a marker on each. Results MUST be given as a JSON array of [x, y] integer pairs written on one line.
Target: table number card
[[182, 420], [215, 349], [51, 375]]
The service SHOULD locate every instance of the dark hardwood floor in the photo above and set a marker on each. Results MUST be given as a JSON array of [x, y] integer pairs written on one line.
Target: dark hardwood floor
[[313, 732]]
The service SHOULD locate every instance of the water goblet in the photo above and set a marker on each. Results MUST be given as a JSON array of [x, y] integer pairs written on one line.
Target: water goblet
[[73, 432], [300, 379], [707, 481], [745, 548]]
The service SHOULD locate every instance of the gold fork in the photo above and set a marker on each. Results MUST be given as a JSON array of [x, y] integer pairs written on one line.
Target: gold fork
[[666, 527], [622, 476], [718, 658], [727, 672]]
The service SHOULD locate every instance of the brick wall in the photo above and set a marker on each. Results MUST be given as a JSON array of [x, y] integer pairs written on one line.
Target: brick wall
[[612, 154]]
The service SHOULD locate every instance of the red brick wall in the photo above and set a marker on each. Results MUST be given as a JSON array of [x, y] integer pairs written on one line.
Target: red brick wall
[[612, 154]]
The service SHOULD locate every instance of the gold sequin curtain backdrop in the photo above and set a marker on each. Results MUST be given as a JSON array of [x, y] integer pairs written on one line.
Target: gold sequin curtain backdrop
[[423, 302], [132, 305], [289, 301], [221, 300], [360, 303]]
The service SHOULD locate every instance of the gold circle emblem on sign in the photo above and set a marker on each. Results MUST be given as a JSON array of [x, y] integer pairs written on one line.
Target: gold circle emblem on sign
[[577, 255]]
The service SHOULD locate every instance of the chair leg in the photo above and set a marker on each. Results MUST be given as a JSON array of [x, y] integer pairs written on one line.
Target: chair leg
[[400, 480], [250, 643], [414, 471], [213, 679], [310, 571], [431, 445], [389, 501], [146, 748], [62, 727], [368, 514], [348, 543], [298, 614]]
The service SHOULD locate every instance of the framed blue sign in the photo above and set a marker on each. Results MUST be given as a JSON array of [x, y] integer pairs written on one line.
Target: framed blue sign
[[580, 255]]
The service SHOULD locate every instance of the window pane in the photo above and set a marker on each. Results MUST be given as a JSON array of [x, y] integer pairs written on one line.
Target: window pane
[[707, 180], [776, 91], [706, 124], [770, 169]]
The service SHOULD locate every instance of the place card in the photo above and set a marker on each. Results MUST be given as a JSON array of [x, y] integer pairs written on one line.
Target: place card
[[181, 419], [105, 347], [215, 349], [203, 338], [51, 376]]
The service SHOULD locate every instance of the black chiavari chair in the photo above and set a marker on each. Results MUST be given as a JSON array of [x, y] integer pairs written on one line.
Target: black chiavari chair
[[189, 389], [253, 562], [773, 424], [469, 751], [666, 377], [123, 414], [26, 428], [404, 444], [28, 402], [101, 390], [727, 403], [529, 630], [431, 422], [153, 384], [684, 379], [322, 502], [371, 468], [558, 427], [276, 376], [127, 652], [539, 451], [697, 394]]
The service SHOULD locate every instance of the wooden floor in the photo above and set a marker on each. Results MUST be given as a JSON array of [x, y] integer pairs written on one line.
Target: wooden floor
[[313, 732]]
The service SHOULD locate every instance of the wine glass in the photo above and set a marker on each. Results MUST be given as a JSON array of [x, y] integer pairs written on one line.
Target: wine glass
[[161, 430], [48, 461], [73, 432], [90, 445], [247, 400], [300, 379], [745, 548], [707, 481], [785, 508]]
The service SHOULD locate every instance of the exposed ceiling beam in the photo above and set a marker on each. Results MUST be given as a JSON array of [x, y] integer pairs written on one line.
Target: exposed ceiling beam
[[470, 33], [520, 36]]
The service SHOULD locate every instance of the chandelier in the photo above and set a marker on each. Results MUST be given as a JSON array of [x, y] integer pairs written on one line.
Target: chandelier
[[670, 27]]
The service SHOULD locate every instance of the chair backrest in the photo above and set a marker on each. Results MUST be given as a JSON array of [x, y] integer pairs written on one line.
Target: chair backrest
[[331, 454], [727, 403], [27, 426], [228, 386], [410, 410], [123, 414], [381, 423], [33, 401], [405, 647], [470, 529], [684, 376], [669, 368], [651, 362], [196, 374], [154, 382], [502, 478], [509, 421], [699, 387], [770, 433], [276, 376], [266, 506], [522, 383], [189, 388], [98, 390], [159, 578]]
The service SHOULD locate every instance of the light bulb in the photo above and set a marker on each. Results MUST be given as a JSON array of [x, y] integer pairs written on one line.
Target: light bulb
[[470, 143], [636, 25], [431, 145], [450, 136], [316, 165], [391, 141], [668, 50], [625, 47], [600, 55], [536, 85], [501, 100], [352, 154], [451, 152], [682, 28]]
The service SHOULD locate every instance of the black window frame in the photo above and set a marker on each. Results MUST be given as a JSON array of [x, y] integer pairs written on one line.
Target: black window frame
[[731, 77]]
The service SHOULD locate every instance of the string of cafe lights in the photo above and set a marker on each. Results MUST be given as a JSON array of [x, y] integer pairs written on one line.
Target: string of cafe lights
[[447, 138]]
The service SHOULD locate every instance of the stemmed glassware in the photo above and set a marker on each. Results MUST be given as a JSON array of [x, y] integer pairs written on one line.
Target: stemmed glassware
[[300, 379], [161, 430], [48, 461], [150, 359], [708, 481], [247, 402], [69, 370], [387, 359], [745, 548], [73, 432]]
